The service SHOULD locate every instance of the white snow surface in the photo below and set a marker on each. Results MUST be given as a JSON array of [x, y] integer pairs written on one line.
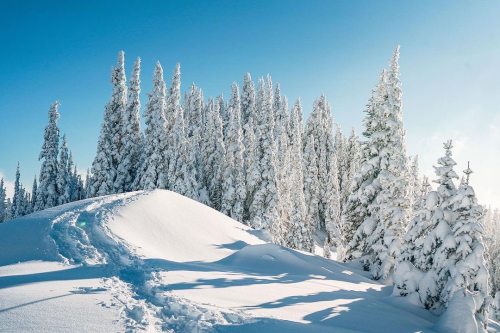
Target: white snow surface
[[156, 261]]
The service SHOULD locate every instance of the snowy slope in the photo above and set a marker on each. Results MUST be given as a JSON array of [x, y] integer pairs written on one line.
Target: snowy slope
[[153, 261]]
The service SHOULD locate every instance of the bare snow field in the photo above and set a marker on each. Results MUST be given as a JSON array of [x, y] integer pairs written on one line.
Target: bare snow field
[[157, 261]]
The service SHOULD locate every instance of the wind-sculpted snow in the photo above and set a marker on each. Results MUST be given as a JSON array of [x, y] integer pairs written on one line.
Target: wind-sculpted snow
[[157, 261]]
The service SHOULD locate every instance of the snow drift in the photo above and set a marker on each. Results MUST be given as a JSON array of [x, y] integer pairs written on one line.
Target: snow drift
[[157, 261]]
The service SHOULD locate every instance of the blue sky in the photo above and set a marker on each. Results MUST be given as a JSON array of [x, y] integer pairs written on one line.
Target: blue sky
[[450, 64]]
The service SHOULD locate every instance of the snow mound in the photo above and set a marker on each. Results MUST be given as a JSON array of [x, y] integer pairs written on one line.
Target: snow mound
[[157, 261]]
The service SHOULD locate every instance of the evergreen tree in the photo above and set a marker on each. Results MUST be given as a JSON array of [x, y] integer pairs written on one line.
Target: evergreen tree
[[109, 146], [26, 202], [352, 157], [213, 155], [233, 186], [280, 112], [340, 148], [194, 111], [16, 208], [118, 106], [466, 262], [3, 202], [283, 162], [98, 185], [88, 179], [34, 191], [247, 100], [298, 233], [80, 186], [415, 183], [320, 126], [63, 176], [492, 242], [311, 182], [265, 206], [417, 268], [156, 141], [363, 187], [194, 126], [47, 195], [224, 114], [443, 252], [381, 191], [333, 210], [72, 183], [172, 110], [8, 210], [131, 136], [297, 125], [249, 143]]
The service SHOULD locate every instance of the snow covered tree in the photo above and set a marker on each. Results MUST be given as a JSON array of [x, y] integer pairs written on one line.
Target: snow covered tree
[[247, 100], [428, 232], [74, 186], [88, 179], [419, 200], [63, 174], [492, 242], [296, 112], [109, 145], [352, 157], [156, 141], [224, 114], [213, 155], [333, 210], [379, 207], [47, 190], [320, 126], [283, 161], [194, 111], [443, 252], [311, 182], [172, 109], [131, 136], [298, 233], [466, 263], [117, 106], [249, 143], [16, 208], [265, 206], [182, 177], [363, 186], [3, 202], [233, 186], [34, 191], [101, 166], [195, 120], [415, 183], [80, 186], [439, 242], [340, 148], [280, 111]]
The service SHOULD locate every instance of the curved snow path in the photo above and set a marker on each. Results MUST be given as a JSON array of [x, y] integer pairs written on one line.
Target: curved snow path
[[171, 264]]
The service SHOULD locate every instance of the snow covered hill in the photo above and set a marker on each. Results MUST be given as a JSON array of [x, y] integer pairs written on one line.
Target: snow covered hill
[[157, 261]]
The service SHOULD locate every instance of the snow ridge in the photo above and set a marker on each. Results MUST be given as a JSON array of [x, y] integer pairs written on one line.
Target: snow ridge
[[82, 236]]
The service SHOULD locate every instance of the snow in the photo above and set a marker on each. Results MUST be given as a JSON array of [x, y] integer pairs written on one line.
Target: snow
[[157, 261], [459, 316]]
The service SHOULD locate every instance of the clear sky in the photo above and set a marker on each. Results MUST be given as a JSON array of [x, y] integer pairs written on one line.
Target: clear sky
[[450, 66]]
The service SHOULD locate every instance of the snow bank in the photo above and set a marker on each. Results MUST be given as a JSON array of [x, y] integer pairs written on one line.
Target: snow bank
[[157, 261], [459, 316]]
